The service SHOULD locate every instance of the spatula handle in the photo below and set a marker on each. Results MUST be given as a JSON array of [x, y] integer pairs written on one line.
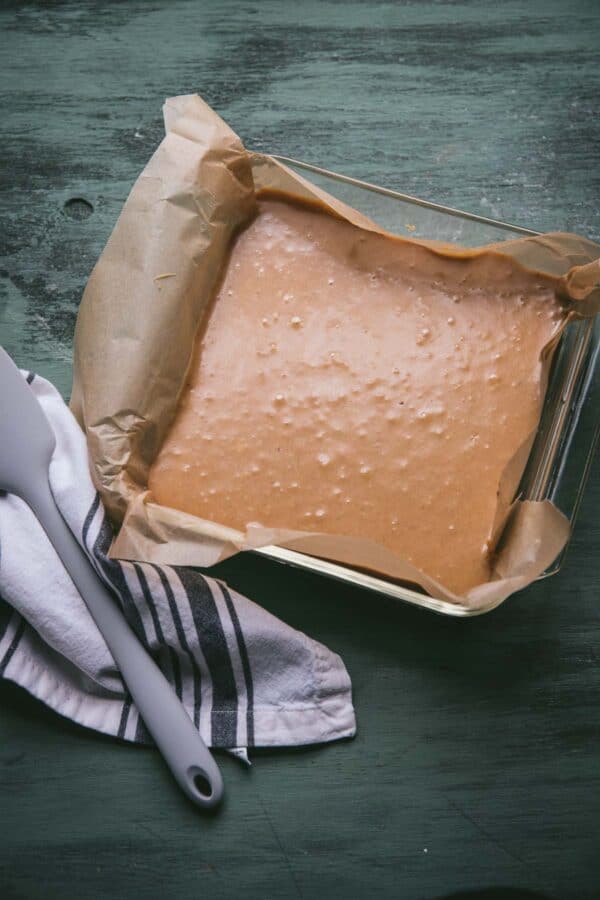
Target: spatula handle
[[176, 737]]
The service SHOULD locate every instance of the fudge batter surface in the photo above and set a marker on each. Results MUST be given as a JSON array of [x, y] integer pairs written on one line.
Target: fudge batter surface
[[349, 383]]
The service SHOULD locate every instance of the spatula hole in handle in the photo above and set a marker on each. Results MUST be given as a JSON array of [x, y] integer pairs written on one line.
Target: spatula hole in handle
[[203, 785], [203, 789]]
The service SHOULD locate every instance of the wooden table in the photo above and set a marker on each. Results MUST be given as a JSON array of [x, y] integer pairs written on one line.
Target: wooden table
[[477, 760]]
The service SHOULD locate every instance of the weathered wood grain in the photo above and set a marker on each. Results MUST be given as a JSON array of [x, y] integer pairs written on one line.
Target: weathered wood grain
[[477, 759]]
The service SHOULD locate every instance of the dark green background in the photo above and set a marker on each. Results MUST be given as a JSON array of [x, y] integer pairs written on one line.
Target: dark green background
[[476, 762]]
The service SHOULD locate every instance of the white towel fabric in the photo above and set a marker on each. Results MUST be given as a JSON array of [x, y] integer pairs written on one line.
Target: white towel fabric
[[245, 678]]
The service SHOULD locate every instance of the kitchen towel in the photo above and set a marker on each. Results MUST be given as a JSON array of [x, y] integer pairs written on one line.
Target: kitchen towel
[[245, 678]]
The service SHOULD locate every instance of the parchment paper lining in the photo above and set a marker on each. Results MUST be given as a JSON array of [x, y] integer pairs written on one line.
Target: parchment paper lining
[[135, 337]]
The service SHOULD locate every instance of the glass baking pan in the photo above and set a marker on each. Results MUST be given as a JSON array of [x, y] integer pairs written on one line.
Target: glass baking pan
[[562, 454]]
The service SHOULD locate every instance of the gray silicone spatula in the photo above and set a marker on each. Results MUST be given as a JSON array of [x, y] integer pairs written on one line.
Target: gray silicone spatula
[[26, 446]]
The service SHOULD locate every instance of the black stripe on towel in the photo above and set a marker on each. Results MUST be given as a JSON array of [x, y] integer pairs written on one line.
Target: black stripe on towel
[[6, 612], [239, 635], [89, 519], [124, 717], [173, 665], [13, 646], [114, 574], [214, 647], [142, 735], [182, 639], [176, 671], [149, 603]]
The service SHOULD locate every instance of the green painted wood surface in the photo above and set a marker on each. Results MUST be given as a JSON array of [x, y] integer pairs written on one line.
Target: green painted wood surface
[[476, 763]]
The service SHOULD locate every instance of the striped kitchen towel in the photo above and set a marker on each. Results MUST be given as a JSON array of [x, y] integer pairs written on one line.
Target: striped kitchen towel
[[245, 678]]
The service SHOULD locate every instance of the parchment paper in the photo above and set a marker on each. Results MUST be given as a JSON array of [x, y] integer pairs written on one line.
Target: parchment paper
[[135, 336]]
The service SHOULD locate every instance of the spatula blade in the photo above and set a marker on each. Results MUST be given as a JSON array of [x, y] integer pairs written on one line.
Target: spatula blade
[[26, 438]]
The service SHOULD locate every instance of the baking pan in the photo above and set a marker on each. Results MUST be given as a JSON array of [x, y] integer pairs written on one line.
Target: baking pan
[[562, 453]]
